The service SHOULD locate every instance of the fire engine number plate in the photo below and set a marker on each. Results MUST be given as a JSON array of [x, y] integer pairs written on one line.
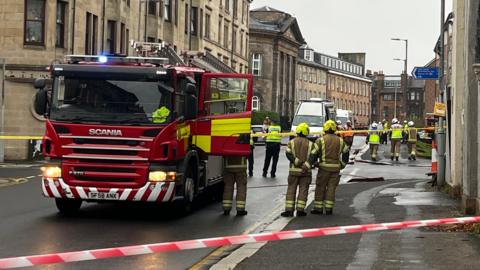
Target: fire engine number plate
[[102, 196]]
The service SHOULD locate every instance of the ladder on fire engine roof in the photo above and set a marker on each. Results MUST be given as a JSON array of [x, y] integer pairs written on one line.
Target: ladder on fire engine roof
[[203, 60]]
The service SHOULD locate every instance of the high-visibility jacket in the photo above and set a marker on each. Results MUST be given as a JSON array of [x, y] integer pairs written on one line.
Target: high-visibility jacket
[[348, 132], [273, 134], [301, 151], [235, 164], [330, 150], [405, 128], [412, 134], [161, 115], [374, 137], [397, 132]]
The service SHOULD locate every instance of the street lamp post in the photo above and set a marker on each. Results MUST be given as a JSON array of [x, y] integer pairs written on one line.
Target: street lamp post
[[395, 111], [405, 68]]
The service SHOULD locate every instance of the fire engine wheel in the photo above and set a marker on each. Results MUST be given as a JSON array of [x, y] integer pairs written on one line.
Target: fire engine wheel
[[68, 207], [188, 195]]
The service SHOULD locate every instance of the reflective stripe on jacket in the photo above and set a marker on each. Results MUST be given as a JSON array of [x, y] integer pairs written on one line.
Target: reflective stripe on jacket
[[348, 132], [397, 132], [301, 151], [273, 134], [374, 137], [235, 164], [331, 148]]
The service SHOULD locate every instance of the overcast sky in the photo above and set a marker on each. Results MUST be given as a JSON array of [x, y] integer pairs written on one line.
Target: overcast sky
[[332, 26]]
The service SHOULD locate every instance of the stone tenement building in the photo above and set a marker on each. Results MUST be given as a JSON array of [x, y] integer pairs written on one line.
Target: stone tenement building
[[410, 104], [346, 84], [275, 39], [311, 77], [34, 33], [341, 81]]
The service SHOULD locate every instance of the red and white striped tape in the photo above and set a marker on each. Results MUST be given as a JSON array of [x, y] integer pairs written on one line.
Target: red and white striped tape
[[86, 255]]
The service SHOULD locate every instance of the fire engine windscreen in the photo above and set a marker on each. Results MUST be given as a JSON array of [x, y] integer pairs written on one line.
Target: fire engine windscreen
[[116, 101]]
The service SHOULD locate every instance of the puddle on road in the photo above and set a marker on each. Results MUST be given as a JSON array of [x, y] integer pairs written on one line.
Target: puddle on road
[[417, 196]]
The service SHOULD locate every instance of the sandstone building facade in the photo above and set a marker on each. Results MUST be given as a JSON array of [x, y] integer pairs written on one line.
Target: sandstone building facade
[[34, 33], [275, 39]]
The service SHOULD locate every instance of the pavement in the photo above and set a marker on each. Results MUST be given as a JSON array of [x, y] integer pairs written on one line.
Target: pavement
[[30, 224]]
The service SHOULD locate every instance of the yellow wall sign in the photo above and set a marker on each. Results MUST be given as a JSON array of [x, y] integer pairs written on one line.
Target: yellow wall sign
[[440, 109]]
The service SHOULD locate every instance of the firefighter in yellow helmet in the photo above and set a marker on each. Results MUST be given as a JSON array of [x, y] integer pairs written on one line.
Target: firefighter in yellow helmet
[[161, 115], [412, 140], [396, 137], [235, 173], [330, 150], [373, 139], [302, 154]]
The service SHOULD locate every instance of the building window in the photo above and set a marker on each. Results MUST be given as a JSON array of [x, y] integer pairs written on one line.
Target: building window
[[194, 24], [309, 55], [235, 9], [152, 7], [207, 26], [412, 95], [225, 36], [257, 64], [34, 33], [167, 10], [176, 12], [127, 40], [227, 5], [111, 36], [255, 103], [234, 41], [122, 38], [88, 33], [60, 27], [220, 30], [186, 18]]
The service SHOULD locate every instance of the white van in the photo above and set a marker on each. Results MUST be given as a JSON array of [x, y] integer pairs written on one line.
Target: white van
[[345, 115], [315, 112]]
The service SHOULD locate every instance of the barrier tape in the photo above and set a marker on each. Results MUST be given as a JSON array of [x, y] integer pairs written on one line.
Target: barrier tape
[[21, 137], [284, 134], [287, 134], [87, 255]]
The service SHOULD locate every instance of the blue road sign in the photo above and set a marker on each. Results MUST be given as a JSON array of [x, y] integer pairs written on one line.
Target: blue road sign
[[426, 73]]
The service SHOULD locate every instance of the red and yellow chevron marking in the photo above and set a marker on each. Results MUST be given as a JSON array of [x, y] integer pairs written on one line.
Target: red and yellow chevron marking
[[220, 135]]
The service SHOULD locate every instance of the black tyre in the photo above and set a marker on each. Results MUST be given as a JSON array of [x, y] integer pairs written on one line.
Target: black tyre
[[68, 207], [186, 204]]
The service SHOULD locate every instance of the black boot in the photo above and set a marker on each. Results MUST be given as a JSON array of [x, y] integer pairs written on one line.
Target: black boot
[[241, 213], [396, 158], [226, 212], [301, 213], [391, 158], [329, 211], [287, 214], [264, 174], [414, 157], [250, 174], [409, 158], [317, 212]]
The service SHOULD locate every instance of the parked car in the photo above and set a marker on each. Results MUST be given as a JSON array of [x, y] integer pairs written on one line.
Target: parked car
[[258, 129]]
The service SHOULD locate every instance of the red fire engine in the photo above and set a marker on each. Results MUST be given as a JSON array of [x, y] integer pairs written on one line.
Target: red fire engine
[[105, 139]]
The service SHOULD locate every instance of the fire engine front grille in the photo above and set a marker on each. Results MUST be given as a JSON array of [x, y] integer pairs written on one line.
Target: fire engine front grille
[[106, 142], [105, 175], [105, 152]]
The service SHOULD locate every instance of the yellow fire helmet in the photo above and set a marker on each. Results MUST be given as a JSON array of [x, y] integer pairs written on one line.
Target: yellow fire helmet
[[330, 125], [303, 129]]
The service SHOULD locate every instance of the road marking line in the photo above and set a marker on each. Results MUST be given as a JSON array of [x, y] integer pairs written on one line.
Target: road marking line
[[14, 181]]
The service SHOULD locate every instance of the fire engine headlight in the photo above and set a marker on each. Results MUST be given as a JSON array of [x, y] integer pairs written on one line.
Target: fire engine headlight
[[51, 172], [161, 176]]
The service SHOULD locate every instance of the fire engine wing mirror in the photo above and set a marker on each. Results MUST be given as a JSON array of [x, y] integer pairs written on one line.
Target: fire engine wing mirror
[[191, 89], [40, 103], [39, 84], [191, 107]]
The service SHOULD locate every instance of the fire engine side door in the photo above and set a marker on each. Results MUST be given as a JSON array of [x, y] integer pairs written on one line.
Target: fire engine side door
[[224, 124]]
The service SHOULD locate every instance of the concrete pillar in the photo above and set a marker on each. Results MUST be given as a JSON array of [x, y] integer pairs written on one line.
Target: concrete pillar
[[470, 144]]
